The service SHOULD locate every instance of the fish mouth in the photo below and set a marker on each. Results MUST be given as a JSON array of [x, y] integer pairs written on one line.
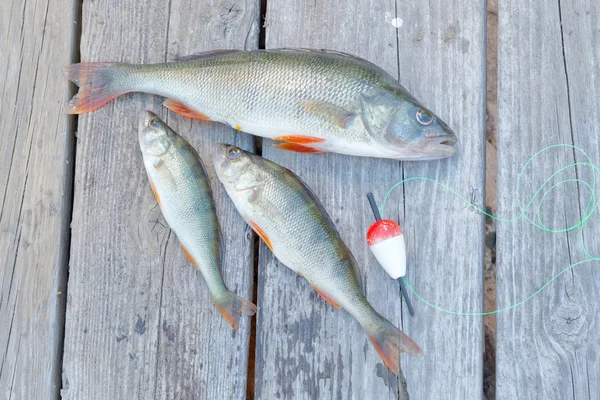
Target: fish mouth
[[446, 140], [435, 148], [441, 145]]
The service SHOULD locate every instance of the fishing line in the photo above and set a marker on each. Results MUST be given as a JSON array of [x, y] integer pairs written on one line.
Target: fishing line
[[542, 192]]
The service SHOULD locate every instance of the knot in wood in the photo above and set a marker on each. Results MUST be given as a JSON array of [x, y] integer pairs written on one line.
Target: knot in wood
[[569, 324]]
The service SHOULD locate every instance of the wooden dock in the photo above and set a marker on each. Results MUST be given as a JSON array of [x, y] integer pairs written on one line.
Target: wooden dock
[[98, 302]]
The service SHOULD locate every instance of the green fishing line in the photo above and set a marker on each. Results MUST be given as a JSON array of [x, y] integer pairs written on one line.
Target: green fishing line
[[591, 207]]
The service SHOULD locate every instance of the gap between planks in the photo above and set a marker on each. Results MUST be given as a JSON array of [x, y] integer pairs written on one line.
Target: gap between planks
[[258, 143], [491, 167], [71, 148]]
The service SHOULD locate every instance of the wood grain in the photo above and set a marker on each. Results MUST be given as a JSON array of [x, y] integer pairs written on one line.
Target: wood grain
[[36, 149], [307, 349], [549, 74], [442, 61], [140, 323]]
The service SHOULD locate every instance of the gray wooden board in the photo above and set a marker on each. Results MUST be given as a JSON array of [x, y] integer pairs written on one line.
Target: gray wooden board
[[549, 74], [549, 85], [35, 171], [442, 61], [140, 322], [306, 348]]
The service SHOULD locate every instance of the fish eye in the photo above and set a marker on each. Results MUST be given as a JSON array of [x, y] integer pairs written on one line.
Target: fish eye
[[424, 117], [233, 153], [154, 123]]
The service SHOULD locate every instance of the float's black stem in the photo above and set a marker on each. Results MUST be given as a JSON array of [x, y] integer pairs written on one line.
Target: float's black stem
[[374, 206], [403, 290], [411, 310]]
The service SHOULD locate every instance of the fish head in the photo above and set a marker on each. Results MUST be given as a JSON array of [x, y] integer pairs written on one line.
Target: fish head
[[237, 169], [406, 127], [154, 135]]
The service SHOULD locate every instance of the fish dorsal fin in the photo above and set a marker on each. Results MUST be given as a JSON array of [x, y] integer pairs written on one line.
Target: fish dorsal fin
[[331, 112], [203, 54], [305, 50], [209, 53]]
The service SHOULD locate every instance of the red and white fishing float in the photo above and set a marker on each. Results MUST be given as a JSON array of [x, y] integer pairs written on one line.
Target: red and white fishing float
[[386, 241]]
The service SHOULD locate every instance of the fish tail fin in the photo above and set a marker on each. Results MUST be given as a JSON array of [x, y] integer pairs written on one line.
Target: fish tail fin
[[389, 341], [232, 307], [98, 84]]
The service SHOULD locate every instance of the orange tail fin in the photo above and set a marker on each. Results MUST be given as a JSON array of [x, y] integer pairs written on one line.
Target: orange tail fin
[[389, 341], [233, 307], [98, 84]]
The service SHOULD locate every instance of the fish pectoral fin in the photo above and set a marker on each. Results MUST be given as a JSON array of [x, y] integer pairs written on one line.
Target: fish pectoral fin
[[299, 148], [188, 256], [332, 113], [325, 296], [262, 234], [179, 108]]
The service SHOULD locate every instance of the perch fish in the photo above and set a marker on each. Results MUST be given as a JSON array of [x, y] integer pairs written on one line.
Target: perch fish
[[289, 218], [307, 100], [183, 192]]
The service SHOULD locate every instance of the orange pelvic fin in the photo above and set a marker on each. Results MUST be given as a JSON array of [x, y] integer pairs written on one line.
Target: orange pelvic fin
[[262, 234], [326, 297], [98, 84], [181, 109], [155, 193], [188, 256], [300, 139], [299, 148]]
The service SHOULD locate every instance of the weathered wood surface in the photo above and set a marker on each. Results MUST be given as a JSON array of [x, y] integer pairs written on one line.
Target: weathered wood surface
[[140, 322], [549, 74], [306, 348], [35, 164]]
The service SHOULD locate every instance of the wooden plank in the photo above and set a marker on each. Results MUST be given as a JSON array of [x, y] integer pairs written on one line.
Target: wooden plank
[[549, 86], [314, 351], [35, 185], [140, 322], [448, 40]]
